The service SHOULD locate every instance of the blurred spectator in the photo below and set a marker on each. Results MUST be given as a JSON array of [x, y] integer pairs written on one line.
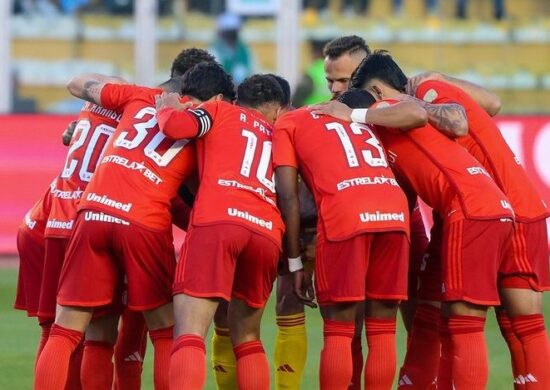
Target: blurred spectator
[[313, 85], [71, 7], [40, 7], [432, 7], [230, 50], [499, 11]]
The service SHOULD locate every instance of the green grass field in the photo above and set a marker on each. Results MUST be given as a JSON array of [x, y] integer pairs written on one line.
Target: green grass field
[[19, 335]]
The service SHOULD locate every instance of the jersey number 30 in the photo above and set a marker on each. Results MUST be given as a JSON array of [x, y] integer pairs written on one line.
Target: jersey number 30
[[373, 156]]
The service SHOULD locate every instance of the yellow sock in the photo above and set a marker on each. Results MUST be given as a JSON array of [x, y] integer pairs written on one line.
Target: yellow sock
[[224, 364], [290, 351]]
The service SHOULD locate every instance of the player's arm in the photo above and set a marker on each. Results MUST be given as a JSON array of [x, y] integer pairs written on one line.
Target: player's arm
[[401, 115], [88, 86], [448, 118], [489, 101], [286, 181], [67, 135], [177, 121]]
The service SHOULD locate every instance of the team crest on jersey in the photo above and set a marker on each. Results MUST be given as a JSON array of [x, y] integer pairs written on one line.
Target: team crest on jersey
[[430, 95]]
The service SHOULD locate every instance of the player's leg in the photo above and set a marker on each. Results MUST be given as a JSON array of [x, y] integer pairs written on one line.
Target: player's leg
[[224, 364], [130, 351], [386, 286], [291, 340], [97, 359], [255, 272], [524, 275], [204, 277], [160, 324], [473, 253]]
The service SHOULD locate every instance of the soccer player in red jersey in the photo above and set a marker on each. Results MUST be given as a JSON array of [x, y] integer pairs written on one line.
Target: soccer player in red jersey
[[363, 225], [473, 215], [124, 222], [524, 274], [233, 244]]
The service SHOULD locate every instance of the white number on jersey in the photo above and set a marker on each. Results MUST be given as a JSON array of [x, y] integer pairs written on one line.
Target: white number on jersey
[[265, 159], [349, 150], [100, 135], [149, 150]]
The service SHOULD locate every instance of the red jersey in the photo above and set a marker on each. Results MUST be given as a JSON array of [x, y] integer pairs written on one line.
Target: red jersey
[[485, 142], [235, 165], [346, 168], [35, 219], [94, 128], [443, 173], [140, 170]]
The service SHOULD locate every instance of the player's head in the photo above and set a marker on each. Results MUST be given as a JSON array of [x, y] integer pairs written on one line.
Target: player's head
[[189, 58], [379, 75], [285, 86], [357, 98], [208, 81], [342, 56], [263, 93]]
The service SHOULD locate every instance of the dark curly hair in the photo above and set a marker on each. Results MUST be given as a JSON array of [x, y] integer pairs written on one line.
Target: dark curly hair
[[285, 86], [206, 80], [259, 89], [189, 58], [357, 98], [349, 44]]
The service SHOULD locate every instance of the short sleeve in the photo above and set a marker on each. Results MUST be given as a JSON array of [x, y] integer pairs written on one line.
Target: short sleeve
[[284, 153], [436, 92], [116, 96]]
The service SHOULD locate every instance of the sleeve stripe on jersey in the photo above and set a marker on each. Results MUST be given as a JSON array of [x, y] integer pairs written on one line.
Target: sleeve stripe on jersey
[[204, 119]]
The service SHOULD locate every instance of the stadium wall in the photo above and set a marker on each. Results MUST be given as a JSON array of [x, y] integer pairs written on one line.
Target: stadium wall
[[31, 155]]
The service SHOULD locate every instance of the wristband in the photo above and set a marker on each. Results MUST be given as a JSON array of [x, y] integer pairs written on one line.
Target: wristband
[[295, 264], [358, 115]]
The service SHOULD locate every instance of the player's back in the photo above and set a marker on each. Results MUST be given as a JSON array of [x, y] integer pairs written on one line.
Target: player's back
[[444, 174], [94, 127], [346, 168], [140, 169], [235, 171], [486, 143]]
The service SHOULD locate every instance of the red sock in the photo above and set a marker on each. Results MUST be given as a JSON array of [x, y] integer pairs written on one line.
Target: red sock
[[421, 363], [470, 362], [43, 339], [382, 356], [188, 363], [357, 359], [97, 365], [162, 344], [336, 366], [130, 351], [531, 332], [75, 365], [515, 347], [53, 365], [445, 373], [252, 366]]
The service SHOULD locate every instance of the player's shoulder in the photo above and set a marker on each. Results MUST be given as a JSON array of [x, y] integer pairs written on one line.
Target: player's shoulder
[[294, 116], [430, 90]]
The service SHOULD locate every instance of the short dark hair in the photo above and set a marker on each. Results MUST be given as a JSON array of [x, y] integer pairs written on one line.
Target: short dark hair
[[189, 58], [357, 98], [285, 86], [379, 65], [205, 80], [259, 89], [349, 44]]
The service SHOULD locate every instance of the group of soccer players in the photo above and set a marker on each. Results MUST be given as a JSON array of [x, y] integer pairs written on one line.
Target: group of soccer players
[[232, 167]]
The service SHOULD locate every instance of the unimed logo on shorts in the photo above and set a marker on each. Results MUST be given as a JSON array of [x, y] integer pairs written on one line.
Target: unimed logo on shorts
[[377, 216], [233, 212], [93, 216]]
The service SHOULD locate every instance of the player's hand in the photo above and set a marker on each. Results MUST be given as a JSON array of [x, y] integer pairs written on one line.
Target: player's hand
[[171, 99], [333, 108], [68, 133], [303, 287], [415, 81]]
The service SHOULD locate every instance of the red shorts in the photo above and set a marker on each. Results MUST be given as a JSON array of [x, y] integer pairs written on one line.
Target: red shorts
[[367, 266], [99, 256], [527, 258], [463, 260], [53, 262], [31, 263], [225, 261]]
